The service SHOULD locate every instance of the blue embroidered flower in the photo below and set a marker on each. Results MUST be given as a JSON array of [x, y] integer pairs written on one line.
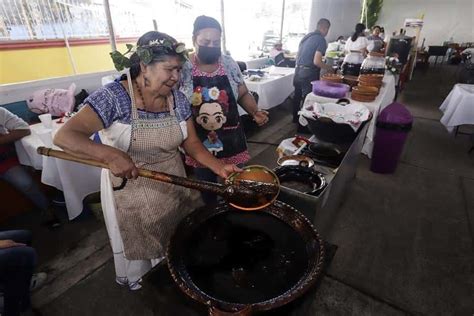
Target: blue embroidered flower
[[205, 94]]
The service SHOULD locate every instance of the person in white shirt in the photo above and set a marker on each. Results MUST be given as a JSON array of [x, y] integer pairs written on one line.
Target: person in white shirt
[[357, 42], [13, 128]]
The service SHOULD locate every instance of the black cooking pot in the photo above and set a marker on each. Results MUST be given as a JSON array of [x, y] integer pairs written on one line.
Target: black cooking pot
[[241, 262], [304, 175]]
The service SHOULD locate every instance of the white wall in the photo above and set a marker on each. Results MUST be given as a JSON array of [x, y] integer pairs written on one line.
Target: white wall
[[443, 19], [343, 14], [15, 92]]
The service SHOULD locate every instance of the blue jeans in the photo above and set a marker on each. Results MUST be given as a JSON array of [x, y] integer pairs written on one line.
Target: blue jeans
[[19, 178], [16, 268]]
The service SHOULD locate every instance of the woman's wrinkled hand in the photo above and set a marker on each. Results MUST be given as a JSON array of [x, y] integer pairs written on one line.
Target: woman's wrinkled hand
[[7, 243], [261, 117], [226, 170], [121, 165]]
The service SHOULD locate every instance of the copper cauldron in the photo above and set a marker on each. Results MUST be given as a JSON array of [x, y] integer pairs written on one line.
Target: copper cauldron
[[237, 262]]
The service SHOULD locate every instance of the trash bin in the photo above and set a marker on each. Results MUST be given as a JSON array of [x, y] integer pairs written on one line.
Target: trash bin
[[393, 125]]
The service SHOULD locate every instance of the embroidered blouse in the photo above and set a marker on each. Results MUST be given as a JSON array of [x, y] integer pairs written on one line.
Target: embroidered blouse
[[112, 103], [230, 67]]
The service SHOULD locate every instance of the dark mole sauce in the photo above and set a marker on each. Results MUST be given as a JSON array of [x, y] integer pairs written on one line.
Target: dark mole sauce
[[242, 257]]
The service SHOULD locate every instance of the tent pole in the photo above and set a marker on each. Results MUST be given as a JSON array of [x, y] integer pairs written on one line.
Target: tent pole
[[282, 19], [224, 44], [66, 40], [110, 25]]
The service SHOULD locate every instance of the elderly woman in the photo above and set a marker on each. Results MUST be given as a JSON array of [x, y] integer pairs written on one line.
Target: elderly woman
[[144, 120], [214, 85]]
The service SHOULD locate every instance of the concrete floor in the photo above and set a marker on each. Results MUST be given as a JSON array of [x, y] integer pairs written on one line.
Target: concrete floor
[[405, 241]]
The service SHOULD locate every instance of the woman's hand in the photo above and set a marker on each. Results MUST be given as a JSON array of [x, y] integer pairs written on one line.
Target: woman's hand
[[260, 117], [121, 165], [7, 243], [226, 170]]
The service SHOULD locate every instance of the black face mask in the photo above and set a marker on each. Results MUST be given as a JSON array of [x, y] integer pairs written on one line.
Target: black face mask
[[209, 55]]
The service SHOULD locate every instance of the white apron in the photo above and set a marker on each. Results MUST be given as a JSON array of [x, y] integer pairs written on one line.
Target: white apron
[[153, 145]]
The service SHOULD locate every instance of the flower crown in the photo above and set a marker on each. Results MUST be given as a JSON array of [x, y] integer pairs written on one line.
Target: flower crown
[[147, 52]]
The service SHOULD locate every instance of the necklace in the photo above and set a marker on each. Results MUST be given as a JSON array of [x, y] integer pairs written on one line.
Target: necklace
[[143, 99], [141, 95]]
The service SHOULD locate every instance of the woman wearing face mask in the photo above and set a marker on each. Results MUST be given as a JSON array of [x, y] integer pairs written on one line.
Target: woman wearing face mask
[[214, 85]]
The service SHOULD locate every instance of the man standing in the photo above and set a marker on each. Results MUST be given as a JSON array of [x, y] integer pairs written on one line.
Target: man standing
[[309, 63]]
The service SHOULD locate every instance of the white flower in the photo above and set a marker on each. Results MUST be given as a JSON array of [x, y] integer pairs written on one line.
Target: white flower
[[214, 93], [387, 57], [393, 69], [155, 42], [392, 58]]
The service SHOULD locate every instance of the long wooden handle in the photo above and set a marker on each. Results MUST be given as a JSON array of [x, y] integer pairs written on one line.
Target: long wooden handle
[[160, 176]]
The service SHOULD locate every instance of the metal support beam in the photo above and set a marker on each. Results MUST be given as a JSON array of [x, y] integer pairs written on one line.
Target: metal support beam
[[224, 45], [110, 25], [282, 19]]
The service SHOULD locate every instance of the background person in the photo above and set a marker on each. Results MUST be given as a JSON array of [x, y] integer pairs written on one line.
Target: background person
[[214, 85], [17, 263], [376, 43], [358, 41], [309, 62], [13, 128]]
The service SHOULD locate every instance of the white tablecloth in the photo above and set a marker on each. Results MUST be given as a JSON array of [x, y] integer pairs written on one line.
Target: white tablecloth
[[74, 179], [274, 88], [385, 97], [458, 107], [257, 63]]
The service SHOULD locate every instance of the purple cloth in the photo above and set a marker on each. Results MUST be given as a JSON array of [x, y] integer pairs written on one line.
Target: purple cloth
[[330, 89], [112, 103]]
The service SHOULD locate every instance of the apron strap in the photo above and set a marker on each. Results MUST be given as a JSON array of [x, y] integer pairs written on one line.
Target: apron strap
[[132, 96]]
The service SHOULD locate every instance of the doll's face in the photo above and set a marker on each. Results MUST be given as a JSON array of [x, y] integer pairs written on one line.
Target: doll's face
[[211, 117]]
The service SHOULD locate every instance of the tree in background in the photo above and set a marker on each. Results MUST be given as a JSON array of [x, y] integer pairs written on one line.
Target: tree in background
[[370, 12]]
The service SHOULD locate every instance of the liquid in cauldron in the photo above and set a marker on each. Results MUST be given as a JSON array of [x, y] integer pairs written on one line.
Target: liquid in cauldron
[[243, 257]]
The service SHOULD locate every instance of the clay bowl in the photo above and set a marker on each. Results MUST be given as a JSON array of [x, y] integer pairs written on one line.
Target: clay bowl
[[361, 97], [366, 90], [364, 84], [332, 78], [371, 78], [378, 85], [255, 173], [351, 80]]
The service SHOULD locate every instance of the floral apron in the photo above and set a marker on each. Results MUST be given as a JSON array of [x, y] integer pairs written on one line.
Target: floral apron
[[216, 115], [148, 211]]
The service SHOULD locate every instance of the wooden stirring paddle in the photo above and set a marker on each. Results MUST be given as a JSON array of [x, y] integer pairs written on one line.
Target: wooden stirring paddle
[[255, 193]]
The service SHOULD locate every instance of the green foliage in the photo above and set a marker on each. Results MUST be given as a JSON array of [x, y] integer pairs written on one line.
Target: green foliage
[[146, 53], [370, 12]]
